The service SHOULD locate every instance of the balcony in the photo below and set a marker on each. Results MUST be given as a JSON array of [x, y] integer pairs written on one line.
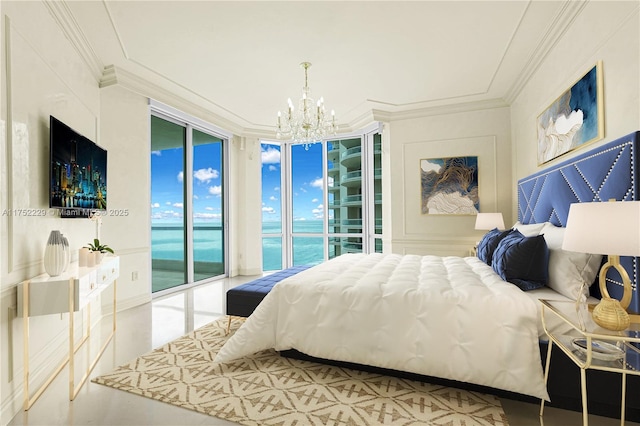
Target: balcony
[[352, 200], [351, 157], [168, 264], [352, 179]]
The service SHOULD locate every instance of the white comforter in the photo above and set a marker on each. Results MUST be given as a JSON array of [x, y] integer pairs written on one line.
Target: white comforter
[[447, 317]]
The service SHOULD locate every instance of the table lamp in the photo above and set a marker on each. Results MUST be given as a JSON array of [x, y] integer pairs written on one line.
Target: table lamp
[[488, 221], [613, 229]]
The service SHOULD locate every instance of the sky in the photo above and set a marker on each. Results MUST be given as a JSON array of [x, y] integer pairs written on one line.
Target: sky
[[307, 183], [167, 184], [167, 177]]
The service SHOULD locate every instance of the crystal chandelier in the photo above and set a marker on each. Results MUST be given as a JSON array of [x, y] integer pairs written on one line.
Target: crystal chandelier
[[309, 123]]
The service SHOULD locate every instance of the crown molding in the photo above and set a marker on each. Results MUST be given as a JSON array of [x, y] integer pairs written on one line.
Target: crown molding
[[442, 109], [556, 30], [70, 28], [113, 75]]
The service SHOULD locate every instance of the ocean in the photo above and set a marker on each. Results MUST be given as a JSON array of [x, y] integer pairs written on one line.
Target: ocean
[[167, 243]]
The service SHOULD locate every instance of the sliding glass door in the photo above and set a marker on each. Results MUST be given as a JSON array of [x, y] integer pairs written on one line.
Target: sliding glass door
[[168, 229], [187, 203]]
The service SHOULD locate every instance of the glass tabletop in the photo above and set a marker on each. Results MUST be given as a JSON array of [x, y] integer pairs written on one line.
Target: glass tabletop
[[603, 342]]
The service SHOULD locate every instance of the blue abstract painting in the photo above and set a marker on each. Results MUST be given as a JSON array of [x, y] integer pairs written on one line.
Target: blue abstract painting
[[575, 119], [449, 185]]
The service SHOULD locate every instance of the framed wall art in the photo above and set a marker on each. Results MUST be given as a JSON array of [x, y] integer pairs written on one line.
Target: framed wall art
[[449, 185], [573, 120]]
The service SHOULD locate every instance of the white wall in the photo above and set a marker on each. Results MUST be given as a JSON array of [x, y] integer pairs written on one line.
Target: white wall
[[606, 31], [42, 74], [124, 131], [484, 133]]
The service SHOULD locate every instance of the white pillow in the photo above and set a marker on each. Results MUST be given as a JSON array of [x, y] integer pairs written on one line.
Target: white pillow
[[569, 269], [530, 230]]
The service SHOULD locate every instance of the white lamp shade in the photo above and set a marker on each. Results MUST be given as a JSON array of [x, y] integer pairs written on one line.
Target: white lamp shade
[[610, 228], [486, 221]]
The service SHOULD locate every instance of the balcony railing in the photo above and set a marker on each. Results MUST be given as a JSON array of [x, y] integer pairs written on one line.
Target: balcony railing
[[356, 150]]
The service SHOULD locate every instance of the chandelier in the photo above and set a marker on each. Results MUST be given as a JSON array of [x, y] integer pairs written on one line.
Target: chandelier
[[309, 123]]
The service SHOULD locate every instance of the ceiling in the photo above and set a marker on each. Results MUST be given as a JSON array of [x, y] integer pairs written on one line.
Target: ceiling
[[240, 60]]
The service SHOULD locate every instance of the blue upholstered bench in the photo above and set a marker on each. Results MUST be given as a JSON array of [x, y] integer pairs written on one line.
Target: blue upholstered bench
[[243, 299]]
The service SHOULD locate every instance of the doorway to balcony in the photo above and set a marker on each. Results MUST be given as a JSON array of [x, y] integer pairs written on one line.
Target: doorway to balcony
[[188, 232]]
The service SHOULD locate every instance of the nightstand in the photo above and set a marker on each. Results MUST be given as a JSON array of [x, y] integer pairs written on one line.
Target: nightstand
[[590, 346]]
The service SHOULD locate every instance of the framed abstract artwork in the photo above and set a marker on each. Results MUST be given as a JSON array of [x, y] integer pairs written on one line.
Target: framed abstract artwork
[[449, 185], [573, 120]]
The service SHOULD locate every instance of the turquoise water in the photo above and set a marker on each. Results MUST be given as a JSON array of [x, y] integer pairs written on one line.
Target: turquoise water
[[167, 243]]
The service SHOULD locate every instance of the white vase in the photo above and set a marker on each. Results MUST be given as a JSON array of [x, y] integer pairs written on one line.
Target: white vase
[[67, 252], [55, 257], [98, 256]]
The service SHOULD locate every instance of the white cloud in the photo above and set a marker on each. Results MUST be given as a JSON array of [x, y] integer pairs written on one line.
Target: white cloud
[[317, 183], [180, 176], [272, 198], [207, 215], [270, 156], [277, 188], [303, 190], [205, 175], [158, 153], [178, 205], [195, 197], [318, 212], [168, 214], [215, 190], [155, 205], [272, 168], [315, 200], [269, 210], [299, 219], [209, 208], [168, 203], [329, 181]]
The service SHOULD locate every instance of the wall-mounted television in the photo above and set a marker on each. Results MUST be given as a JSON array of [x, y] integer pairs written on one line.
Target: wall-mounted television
[[78, 185]]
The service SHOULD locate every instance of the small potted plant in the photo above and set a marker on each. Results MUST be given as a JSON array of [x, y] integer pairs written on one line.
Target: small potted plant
[[99, 250]]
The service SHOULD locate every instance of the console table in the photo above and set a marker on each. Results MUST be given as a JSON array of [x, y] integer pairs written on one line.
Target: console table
[[69, 292]]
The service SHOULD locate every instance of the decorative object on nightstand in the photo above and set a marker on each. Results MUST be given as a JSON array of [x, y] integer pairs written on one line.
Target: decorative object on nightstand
[[56, 256], [609, 228]]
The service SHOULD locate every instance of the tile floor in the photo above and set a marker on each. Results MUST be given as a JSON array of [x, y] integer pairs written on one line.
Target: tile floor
[[151, 325]]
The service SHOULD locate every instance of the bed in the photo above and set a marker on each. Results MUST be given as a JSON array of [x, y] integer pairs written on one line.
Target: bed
[[449, 317]]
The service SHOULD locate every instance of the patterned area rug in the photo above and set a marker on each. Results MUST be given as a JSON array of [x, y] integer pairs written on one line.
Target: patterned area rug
[[266, 389]]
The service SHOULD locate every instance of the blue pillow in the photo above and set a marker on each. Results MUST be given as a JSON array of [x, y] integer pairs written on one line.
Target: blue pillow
[[523, 261], [488, 244]]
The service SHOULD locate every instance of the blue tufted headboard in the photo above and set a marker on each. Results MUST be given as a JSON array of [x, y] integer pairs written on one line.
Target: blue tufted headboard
[[607, 172]]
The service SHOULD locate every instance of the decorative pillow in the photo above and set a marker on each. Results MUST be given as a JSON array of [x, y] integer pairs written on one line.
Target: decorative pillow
[[488, 244], [568, 270], [522, 261], [530, 230]]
